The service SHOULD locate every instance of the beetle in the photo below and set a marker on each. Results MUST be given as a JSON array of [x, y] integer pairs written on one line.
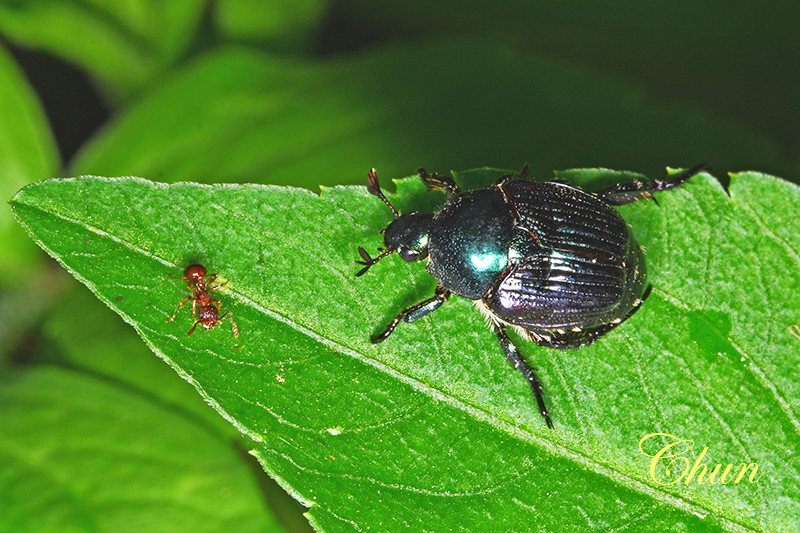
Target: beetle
[[555, 262]]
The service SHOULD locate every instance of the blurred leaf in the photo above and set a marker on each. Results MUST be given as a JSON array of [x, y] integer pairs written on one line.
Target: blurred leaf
[[27, 153], [276, 25], [725, 59], [239, 115], [78, 455], [21, 308], [432, 429], [123, 45]]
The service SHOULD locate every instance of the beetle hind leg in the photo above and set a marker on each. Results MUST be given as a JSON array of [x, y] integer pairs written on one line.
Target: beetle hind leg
[[561, 339], [626, 193], [516, 359], [567, 339]]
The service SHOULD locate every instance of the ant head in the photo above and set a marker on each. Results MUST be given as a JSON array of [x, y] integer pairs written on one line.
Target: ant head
[[195, 272], [406, 234]]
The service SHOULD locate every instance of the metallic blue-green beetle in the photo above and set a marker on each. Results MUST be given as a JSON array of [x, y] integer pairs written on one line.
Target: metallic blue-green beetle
[[552, 260]]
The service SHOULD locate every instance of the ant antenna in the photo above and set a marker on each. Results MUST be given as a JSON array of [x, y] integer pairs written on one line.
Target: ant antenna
[[369, 261], [375, 189]]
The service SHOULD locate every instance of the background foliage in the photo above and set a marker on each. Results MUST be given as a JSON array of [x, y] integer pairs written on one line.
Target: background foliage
[[308, 94]]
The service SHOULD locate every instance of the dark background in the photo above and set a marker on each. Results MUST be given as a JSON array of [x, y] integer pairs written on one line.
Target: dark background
[[730, 62]]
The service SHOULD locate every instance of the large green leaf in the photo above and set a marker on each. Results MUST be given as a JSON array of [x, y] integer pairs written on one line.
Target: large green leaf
[[238, 115], [432, 429], [78, 455]]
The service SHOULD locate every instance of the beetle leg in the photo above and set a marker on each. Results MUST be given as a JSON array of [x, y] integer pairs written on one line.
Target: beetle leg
[[515, 358], [578, 339], [571, 340], [415, 312], [521, 176], [626, 193], [437, 182]]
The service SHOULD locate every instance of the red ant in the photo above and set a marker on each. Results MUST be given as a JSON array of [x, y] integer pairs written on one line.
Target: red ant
[[208, 316]]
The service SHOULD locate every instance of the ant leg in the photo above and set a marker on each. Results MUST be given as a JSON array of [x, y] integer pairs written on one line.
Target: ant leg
[[194, 314], [196, 323], [437, 182], [210, 283], [515, 358], [415, 312], [170, 319], [209, 288], [234, 327], [626, 193]]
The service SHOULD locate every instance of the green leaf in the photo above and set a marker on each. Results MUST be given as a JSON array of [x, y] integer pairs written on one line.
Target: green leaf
[[432, 429], [288, 26], [27, 153], [122, 44], [78, 455], [237, 115]]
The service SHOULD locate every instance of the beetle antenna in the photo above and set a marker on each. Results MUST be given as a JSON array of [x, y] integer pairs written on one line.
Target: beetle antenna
[[375, 189], [369, 261]]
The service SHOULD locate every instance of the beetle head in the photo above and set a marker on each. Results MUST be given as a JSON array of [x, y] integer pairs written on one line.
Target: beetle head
[[406, 234]]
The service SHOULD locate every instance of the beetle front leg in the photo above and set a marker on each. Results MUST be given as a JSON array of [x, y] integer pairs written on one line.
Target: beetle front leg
[[626, 193], [415, 312], [516, 359]]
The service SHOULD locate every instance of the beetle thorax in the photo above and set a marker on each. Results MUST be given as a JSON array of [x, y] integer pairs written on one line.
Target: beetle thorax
[[469, 242]]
